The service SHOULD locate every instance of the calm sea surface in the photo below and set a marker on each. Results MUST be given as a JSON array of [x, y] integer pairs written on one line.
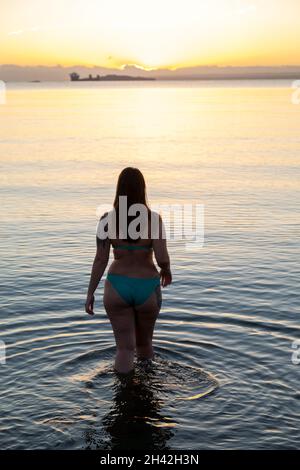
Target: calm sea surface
[[223, 376]]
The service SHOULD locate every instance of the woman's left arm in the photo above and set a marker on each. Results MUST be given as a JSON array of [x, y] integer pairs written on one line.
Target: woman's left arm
[[99, 266]]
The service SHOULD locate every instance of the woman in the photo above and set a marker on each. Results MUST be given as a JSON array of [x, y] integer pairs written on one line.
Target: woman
[[132, 292]]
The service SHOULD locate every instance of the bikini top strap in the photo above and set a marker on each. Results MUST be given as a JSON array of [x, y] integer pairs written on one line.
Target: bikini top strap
[[133, 247]]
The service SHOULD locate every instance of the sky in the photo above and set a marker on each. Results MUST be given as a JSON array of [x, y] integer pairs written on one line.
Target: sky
[[150, 34]]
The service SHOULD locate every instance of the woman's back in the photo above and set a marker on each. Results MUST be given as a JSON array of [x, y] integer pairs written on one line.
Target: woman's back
[[134, 258]]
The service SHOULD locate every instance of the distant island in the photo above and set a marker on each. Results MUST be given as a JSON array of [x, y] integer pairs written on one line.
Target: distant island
[[75, 77], [58, 73]]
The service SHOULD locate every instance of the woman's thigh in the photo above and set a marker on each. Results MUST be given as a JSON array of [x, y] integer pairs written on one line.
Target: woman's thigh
[[121, 316], [145, 317]]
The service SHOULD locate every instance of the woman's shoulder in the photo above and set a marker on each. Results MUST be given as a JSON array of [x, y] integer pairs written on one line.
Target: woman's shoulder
[[107, 214], [154, 215], [106, 225], [107, 217], [156, 225]]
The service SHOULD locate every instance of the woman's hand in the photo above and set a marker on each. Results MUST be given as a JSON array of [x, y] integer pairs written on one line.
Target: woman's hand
[[89, 304], [166, 277]]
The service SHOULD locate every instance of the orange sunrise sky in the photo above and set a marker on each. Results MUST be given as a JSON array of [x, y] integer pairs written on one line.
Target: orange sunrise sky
[[157, 34]]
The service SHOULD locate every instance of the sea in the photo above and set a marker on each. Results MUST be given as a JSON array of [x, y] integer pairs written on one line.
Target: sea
[[226, 369]]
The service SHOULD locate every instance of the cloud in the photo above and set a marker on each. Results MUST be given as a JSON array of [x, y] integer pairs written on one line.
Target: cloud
[[247, 9], [16, 33], [23, 31], [242, 9]]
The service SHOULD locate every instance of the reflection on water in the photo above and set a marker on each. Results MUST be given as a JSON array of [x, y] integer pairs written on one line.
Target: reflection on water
[[134, 420], [223, 376]]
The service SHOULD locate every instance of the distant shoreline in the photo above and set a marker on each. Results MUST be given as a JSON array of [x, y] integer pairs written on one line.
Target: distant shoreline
[[189, 79], [237, 77], [166, 79], [58, 73], [291, 76]]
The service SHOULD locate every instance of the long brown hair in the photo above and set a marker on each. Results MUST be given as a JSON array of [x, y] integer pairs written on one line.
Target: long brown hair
[[131, 183]]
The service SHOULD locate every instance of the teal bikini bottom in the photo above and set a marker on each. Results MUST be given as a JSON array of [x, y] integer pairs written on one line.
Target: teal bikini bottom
[[133, 290]]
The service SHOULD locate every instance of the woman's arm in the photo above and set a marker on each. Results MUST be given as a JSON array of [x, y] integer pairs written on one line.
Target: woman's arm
[[99, 266], [162, 255]]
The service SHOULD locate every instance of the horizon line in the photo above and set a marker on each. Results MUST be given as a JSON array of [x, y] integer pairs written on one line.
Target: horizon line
[[149, 69]]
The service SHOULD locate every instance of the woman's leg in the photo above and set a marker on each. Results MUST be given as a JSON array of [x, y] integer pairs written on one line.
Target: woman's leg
[[122, 320], [145, 318]]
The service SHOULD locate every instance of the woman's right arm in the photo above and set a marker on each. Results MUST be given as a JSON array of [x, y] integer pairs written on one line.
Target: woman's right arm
[[162, 256], [98, 268]]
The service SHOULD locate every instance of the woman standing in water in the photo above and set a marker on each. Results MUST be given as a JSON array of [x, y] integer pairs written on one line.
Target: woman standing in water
[[132, 292]]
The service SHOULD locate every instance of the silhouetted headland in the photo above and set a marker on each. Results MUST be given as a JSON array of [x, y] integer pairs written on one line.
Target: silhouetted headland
[[75, 77]]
